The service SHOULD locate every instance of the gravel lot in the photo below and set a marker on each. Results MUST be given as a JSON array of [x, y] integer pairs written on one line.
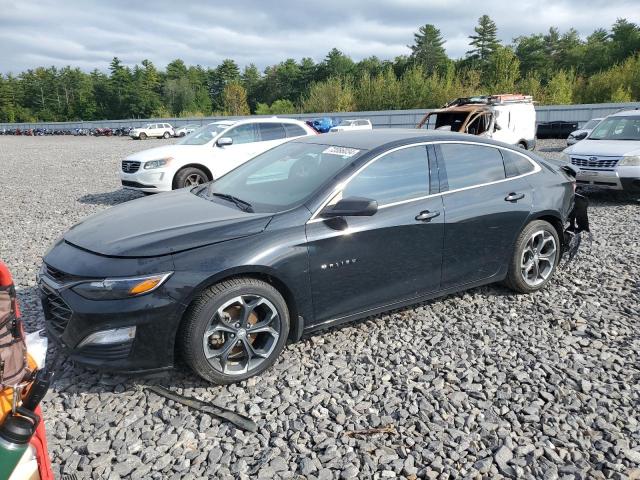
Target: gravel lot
[[480, 384]]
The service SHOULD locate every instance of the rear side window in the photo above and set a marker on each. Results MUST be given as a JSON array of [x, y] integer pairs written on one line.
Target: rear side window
[[399, 175], [243, 134], [515, 164], [468, 165], [271, 131], [294, 130]]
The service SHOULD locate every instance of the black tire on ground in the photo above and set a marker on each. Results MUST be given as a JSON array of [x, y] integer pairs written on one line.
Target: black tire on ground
[[523, 145], [515, 277], [188, 177], [166, 135], [143, 136], [200, 314], [182, 134]]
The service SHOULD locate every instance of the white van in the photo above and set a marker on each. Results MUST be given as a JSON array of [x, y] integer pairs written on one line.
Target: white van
[[509, 118]]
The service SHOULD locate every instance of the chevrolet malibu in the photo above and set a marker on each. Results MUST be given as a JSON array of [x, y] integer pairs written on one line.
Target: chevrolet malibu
[[312, 233]]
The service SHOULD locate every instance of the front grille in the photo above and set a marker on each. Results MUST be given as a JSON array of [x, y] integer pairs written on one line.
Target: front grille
[[598, 163], [129, 166], [107, 352], [57, 275], [56, 310]]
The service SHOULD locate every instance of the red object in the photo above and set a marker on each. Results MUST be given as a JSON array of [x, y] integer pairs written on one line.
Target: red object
[[39, 442]]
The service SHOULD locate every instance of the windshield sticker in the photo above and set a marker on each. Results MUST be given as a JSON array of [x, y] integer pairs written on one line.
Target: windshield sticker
[[342, 151]]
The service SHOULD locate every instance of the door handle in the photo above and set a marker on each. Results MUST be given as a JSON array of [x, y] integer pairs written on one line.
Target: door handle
[[514, 197], [426, 216]]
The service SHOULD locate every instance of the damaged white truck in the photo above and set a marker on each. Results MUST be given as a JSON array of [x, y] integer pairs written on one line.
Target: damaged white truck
[[509, 118]]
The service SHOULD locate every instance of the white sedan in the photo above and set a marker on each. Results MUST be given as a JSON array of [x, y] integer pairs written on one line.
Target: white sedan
[[348, 125], [207, 153]]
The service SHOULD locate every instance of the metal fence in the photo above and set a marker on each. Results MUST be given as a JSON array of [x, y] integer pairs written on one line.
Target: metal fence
[[380, 119]]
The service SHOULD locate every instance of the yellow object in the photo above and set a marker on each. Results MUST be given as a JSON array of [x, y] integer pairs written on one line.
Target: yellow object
[[6, 394], [145, 286]]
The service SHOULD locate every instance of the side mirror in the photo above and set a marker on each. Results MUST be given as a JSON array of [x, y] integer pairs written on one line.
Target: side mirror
[[224, 141], [351, 207]]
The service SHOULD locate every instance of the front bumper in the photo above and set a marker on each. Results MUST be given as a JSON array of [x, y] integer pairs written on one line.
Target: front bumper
[[70, 318], [155, 180]]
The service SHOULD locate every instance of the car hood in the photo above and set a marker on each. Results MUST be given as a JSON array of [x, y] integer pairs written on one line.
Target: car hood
[[163, 224], [613, 148], [164, 152]]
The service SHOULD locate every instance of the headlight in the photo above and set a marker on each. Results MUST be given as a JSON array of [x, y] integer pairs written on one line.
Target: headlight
[[157, 163], [120, 288], [630, 161]]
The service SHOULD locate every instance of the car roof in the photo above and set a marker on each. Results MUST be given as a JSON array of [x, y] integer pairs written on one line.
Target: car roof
[[370, 139], [626, 113]]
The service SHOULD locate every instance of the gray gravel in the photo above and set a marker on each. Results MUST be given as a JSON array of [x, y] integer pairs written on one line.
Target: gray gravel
[[479, 384]]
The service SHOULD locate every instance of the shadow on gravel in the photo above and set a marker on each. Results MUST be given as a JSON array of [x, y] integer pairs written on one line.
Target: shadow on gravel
[[110, 198], [606, 198], [551, 149]]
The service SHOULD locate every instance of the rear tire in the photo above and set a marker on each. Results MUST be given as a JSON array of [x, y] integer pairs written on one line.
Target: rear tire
[[189, 177], [143, 136], [523, 145], [216, 338], [535, 257]]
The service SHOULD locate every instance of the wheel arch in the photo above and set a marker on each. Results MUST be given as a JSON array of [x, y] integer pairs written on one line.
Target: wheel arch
[[262, 273], [194, 165], [551, 217]]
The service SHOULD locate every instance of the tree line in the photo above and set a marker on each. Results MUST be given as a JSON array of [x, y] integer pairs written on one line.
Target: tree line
[[554, 67]]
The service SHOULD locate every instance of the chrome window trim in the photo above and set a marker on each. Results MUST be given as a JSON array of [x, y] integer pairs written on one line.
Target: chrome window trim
[[340, 187]]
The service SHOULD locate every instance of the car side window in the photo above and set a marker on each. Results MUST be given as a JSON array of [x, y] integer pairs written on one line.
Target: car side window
[[467, 165], [271, 131], [397, 176], [515, 164], [243, 134], [294, 130]]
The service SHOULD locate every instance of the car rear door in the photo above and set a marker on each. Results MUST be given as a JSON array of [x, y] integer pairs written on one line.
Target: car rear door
[[484, 210], [271, 134], [360, 263]]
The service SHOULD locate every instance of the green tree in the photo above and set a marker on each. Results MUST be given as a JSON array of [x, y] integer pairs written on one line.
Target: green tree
[[559, 90], [503, 70], [225, 73], [427, 49], [485, 41], [332, 95], [335, 64], [625, 39], [234, 99]]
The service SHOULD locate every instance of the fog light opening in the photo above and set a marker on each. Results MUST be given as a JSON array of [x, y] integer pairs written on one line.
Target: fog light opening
[[109, 337]]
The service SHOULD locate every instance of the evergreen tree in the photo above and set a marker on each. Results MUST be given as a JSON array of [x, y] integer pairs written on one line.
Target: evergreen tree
[[427, 49], [485, 41]]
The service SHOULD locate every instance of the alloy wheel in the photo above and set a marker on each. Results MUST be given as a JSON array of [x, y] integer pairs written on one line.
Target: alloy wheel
[[538, 258], [193, 180], [242, 334]]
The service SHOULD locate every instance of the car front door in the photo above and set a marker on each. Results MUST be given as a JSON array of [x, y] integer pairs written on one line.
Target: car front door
[[225, 158], [484, 210], [360, 263]]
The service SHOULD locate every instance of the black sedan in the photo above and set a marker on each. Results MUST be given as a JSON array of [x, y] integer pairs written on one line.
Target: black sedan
[[315, 232]]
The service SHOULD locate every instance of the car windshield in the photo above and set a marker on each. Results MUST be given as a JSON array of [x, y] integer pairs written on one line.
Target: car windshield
[[590, 124], [204, 134], [617, 128], [281, 178]]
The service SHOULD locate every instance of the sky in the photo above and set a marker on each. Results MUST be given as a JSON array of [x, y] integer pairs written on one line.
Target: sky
[[88, 34]]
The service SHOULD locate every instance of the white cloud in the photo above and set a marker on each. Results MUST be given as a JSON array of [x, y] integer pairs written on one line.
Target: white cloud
[[88, 34]]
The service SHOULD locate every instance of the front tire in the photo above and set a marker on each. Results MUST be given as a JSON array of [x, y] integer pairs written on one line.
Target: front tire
[[236, 329], [143, 136], [166, 135], [189, 177], [535, 257]]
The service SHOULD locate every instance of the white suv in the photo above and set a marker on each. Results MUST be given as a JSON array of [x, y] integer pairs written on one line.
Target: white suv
[[358, 124], [207, 153], [610, 156], [158, 130]]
